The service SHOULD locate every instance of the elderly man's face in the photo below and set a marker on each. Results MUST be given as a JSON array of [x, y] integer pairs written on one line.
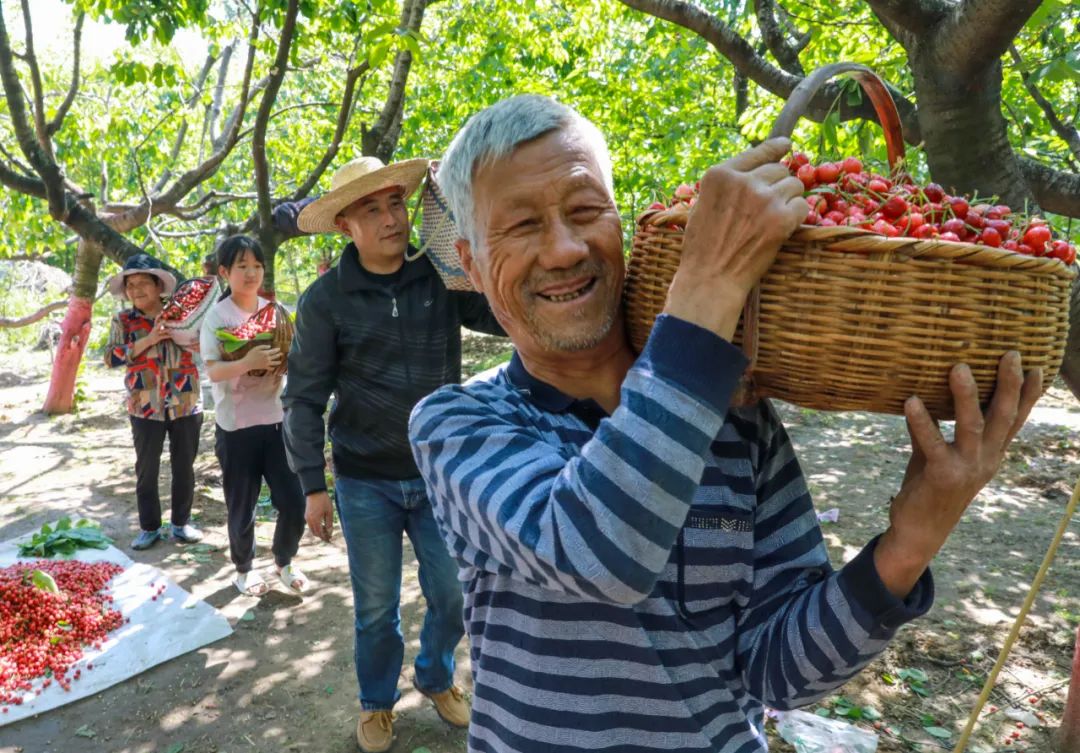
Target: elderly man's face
[[549, 256], [379, 226]]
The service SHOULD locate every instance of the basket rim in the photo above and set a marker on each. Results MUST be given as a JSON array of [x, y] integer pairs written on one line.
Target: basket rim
[[915, 248]]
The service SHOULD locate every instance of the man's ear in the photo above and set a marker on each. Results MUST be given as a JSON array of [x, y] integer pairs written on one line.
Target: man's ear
[[464, 249], [341, 225]]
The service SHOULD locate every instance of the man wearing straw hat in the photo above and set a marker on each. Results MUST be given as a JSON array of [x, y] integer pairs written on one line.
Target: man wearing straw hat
[[379, 332], [643, 567]]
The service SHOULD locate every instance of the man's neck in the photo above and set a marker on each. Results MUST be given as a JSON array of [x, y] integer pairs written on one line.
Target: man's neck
[[380, 265], [595, 374]]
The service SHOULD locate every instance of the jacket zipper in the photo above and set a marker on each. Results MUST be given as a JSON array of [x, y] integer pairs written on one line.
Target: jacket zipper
[[401, 336]]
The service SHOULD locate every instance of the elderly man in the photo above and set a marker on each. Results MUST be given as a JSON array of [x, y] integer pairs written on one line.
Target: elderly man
[[643, 567], [379, 333]]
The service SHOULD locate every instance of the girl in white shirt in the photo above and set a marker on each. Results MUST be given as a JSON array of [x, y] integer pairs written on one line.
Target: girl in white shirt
[[248, 435]]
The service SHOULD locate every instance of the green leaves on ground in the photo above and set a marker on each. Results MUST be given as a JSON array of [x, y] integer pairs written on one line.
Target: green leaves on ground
[[914, 679], [64, 538], [843, 707]]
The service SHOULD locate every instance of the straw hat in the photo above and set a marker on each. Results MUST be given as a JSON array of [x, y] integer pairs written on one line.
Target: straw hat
[[141, 264], [354, 181]]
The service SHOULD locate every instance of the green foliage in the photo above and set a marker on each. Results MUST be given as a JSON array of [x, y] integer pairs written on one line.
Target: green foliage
[[64, 538], [664, 97], [913, 678]]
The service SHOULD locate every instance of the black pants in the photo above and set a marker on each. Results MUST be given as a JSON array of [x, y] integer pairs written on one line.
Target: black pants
[[149, 439], [248, 456]]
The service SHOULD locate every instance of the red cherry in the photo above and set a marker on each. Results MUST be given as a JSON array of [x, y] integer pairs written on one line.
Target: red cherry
[[851, 165], [1037, 236], [934, 192], [894, 207], [953, 226], [990, 237], [947, 236], [828, 172], [807, 174], [959, 207]]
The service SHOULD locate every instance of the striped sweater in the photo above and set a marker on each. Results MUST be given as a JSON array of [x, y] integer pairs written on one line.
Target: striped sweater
[[647, 580]]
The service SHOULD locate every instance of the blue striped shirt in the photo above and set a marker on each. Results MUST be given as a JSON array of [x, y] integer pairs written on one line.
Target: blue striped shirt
[[647, 580]]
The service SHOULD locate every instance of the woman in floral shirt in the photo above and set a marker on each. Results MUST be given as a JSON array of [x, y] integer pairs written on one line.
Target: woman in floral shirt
[[163, 397]]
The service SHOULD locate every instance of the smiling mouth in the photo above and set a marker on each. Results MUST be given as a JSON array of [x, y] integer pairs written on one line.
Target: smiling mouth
[[570, 295]]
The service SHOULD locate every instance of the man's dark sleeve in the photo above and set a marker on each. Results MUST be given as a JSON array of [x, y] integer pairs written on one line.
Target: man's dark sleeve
[[476, 313], [313, 368], [285, 217]]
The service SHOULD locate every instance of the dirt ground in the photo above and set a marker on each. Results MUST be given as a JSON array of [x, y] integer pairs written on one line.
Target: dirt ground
[[284, 681]]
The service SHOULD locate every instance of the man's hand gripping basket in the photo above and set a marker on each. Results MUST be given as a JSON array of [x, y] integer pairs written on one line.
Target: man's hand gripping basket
[[849, 320]]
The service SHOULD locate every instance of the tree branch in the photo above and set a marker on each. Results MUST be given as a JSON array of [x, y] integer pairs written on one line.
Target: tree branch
[[344, 114], [381, 139], [58, 120], [981, 31], [905, 16], [214, 112], [40, 126], [181, 134], [22, 183], [751, 65], [775, 37], [262, 118], [38, 315], [39, 158], [1056, 190], [15, 162], [164, 202], [1069, 134]]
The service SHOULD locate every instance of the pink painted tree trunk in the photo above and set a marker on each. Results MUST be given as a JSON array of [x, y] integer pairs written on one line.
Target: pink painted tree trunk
[[75, 330], [74, 333], [1068, 734]]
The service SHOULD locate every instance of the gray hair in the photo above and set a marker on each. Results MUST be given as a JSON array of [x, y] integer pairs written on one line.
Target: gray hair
[[494, 132]]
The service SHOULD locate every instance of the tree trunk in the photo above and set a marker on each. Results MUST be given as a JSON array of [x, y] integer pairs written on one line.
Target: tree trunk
[[270, 240], [1070, 366], [75, 330], [964, 133], [1067, 739]]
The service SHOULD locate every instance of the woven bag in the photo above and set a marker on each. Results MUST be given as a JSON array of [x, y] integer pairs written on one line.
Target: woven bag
[[846, 319], [281, 338], [438, 232]]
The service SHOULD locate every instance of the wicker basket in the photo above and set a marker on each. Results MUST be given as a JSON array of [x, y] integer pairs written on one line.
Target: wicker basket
[[438, 232], [846, 319], [281, 339]]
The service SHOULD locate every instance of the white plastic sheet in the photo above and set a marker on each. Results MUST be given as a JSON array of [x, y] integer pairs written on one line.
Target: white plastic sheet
[[160, 629]]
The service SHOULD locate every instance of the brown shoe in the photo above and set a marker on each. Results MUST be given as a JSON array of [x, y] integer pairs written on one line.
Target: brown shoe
[[375, 731], [450, 705]]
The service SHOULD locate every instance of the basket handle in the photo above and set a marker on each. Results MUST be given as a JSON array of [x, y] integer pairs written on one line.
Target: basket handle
[[884, 106], [429, 178], [795, 108], [873, 85]]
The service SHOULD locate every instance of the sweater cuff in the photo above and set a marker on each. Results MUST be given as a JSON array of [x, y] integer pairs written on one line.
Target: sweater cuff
[[873, 604], [703, 363]]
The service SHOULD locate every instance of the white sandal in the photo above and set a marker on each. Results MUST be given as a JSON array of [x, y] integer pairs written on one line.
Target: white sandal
[[250, 584], [289, 575]]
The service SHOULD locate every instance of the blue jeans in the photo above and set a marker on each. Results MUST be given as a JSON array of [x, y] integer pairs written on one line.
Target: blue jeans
[[374, 514]]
